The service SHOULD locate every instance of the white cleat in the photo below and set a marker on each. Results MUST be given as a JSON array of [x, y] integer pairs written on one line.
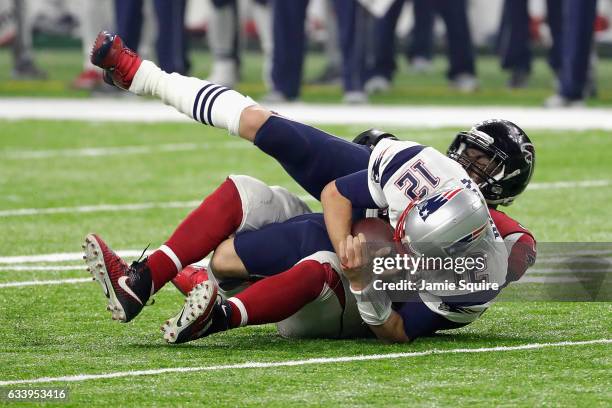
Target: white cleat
[[195, 318]]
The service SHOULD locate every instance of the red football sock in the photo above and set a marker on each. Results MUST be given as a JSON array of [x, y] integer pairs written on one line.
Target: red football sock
[[219, 216], [275, 298]]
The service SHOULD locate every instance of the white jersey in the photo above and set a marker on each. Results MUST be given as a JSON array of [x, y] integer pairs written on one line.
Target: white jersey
[[400, 172]]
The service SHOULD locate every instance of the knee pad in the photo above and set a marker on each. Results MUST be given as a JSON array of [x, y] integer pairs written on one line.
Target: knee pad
[[263, 205]]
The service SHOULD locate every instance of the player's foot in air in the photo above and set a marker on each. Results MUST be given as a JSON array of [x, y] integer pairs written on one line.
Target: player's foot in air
[[127, 287], [203, 313], [189, 277], [118, 61]]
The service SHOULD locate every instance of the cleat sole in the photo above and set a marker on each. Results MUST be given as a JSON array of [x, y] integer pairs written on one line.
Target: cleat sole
[[95, 266], [193, 311]]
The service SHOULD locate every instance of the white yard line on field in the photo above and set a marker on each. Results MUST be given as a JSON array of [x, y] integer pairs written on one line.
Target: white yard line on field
[[119, 150], [107, 109], [63, 256], [44, 282], [41, 268], [569, 184], [17, 212], [98, 208], [293, 363]]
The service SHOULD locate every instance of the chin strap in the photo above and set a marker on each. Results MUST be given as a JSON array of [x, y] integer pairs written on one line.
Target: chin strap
[[400, 228]]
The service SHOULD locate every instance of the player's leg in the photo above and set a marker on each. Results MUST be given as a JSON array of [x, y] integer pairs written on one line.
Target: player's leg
[[267, 251], [267, 301], [240, 203], [312, 157]]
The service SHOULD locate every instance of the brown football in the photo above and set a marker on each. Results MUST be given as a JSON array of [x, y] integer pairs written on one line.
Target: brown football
[[374, 229]]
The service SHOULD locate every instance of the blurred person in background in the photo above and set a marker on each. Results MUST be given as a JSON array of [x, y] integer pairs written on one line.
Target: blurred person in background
[[513, 42], [224, 39], [461, 56], [332, 71], [289, 36], [171, 44], [571, 56], [24, 66], [94, 15], [571, 25]]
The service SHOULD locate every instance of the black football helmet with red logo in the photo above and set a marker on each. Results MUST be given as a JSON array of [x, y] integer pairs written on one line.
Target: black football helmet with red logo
[[511, 154]]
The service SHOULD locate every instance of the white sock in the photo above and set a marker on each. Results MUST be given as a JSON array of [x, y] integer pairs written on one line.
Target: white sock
[[201, 100], [244, 317]]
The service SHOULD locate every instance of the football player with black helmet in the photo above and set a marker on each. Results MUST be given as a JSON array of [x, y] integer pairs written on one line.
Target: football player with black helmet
[[500, 158]]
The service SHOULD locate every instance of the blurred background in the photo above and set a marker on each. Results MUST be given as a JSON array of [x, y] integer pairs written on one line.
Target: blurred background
[[553, 53]]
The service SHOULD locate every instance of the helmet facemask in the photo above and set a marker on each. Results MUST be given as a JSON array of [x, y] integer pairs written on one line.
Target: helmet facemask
[[486, 176]]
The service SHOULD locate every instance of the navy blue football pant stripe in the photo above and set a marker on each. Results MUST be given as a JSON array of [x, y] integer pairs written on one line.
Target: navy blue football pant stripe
[[171, 44], [205, 94], [312, 157], [275, 248]]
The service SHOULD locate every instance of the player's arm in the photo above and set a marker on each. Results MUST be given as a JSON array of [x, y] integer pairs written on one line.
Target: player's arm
[[338, 199], [374, 305], [391, 331], [521, 256]]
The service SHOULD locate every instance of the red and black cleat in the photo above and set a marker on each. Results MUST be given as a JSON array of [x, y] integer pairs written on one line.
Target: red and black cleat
[[118, 61], [127, 287], [189, 277]]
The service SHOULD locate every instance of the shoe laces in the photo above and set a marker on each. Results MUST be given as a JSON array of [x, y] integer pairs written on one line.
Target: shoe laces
[[135, 264], [134, 273]]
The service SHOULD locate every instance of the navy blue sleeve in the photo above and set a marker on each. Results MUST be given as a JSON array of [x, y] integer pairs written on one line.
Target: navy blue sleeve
[[354, 187], [420, 321]]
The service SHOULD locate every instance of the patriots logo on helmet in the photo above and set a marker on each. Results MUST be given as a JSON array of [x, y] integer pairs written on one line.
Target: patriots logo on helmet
[[434, 203], [460, 245]]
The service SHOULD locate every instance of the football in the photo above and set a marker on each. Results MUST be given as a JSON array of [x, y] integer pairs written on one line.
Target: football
[[374, 229]]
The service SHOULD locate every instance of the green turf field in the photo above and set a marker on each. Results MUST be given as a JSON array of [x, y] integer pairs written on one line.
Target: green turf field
[[63, 329], [409, 87]]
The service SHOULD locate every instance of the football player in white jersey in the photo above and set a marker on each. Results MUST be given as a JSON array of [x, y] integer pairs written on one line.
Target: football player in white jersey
[[291, 143]]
